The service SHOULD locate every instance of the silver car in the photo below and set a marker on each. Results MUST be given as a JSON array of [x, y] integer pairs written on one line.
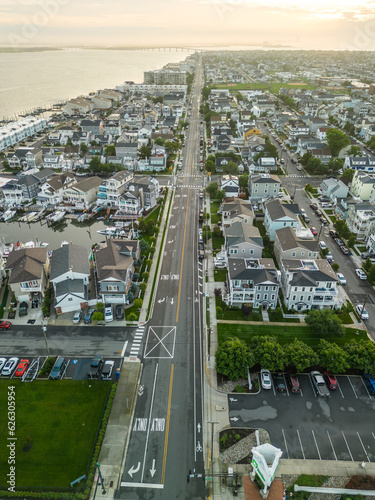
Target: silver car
[[9, 367]]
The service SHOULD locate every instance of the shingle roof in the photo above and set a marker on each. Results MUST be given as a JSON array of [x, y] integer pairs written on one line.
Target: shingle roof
[[277, 210], [237, 270], [239, 232], [288, 240], [70, 287], [111, 261], [26, 264], [69, 257]]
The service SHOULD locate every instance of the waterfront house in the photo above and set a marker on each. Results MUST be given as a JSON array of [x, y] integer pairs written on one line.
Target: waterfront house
[[146, 189], [115, 261], [52, 190], [82, 194], [69, 275], [24, 158], [111, 190], [28, 271], [26, 186], [252, 281], [78, 106]]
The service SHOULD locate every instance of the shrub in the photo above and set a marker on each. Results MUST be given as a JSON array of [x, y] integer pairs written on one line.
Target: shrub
[[358, 482], [47, 367], [98, 316], [239, 388]]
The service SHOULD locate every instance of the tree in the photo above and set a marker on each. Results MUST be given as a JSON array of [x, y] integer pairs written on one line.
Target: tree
[[95, 164], [305, 158], [142, 287], [361, 355], [145, 151], [300, 355], [83, 149], [159, 141], [243, 180], [342, 229], [138, 303], [371, 142], [268, 353], [314, 165], [110, 150], [335, 266], [325, 322], [337, 140], [230, 168], [217, 292], [100, 306], [348, 174], [212, 190], [246, 309], [97, 316], [205, 93], [354, 151], [335, 164], [144, 246], [232, 359], [333, 357], [351, 241]]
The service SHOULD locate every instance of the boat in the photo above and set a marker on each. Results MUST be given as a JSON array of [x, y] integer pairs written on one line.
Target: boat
[[56, 216], [8, 214], [7, 249]]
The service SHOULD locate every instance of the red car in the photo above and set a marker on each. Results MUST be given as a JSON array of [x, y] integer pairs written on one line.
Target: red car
[[331, 380], [314, 231], [5, 325], [22, 367]]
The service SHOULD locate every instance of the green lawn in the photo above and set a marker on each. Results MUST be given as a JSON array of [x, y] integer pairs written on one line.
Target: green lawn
[[217, 243], [241, 86], [237, 315], [56, 426], [215, 218], [284, 334], [220, 274], [333, 218], [215, 205], [275, 87]]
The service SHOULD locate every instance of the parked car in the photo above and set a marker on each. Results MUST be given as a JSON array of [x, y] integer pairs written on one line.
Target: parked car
[[314, 206], [88, 316], [95, 367], [2, 363], [322, 244], [58, 369], [279, 382], [319, 384], [9, 367], [22, 310], [318, 213], [331, 381], [361, 311], [77, 317], [108, 314], [265, 378], [339, 242], [21, 368], [333, 233], [201, 251], [313, 230], [345, 250], [107, 370], [5, 325], [323, 221], [293, 383], [341, 278], [361, 274], [201, 193], [119, 312], [329, 257], [370, 382]]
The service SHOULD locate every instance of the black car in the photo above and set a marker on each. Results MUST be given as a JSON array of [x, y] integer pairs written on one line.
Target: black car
[[323, 220], [119, 312], [333, 233], [313, 206], [279, 382], [95, 367], [318, 213]]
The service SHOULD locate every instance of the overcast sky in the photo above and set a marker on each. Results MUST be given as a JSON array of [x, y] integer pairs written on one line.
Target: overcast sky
[[320, 24]]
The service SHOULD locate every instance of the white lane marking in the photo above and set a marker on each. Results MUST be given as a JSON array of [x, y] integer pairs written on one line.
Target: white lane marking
[[125, 484], [365, 386], [350, 382], [343, 435], [300, 443], [340, 389], [286, 445], [333, 449], [316, 444], [286, 385], [149, 421], [124, 349], [364, 449]]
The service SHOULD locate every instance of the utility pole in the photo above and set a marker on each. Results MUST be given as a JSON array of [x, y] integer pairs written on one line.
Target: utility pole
[[44, 330], [212, 453]]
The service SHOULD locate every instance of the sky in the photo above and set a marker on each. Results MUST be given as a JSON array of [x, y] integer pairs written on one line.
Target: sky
[[307, 24]]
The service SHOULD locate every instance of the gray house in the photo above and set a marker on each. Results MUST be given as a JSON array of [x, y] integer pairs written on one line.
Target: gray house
[[243, 241], [263, 186], [115, 269], [334, 189], [289, 246]]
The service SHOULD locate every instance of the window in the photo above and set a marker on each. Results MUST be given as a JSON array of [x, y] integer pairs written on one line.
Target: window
[[309, 298], [112, 288], [294, 298], [243, 250], [266, 288], [303, 288], [251, 252], [293, 254], [311, 289], [301, 298], [295, 288], [258, 296], [266, 296], [273, 297], [329, 285], [70, 299], [302, 254], [234, 251]]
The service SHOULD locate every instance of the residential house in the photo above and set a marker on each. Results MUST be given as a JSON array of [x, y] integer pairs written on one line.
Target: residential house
[[289, 245], [147, 190], [52, 190], [229, 184], [363, 186], [309, 284], [363, 163], [78, 106], [53, 160], [111, 190], [70, 273], [92, 126], [26, 186], [263, 186], [252, 281], [81, 137], [333, 189], [157, 163], [243, 241], [111, 127], [278, 215], [15, 132], [115, 261], [28, 271], [101, 102], [24, 158], [264, 164], [235, 209], [84, 193], [127, 149], [359, 218]]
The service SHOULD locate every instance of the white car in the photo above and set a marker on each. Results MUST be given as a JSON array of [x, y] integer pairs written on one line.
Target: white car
[[265, 378], [9, 367], [329, 257], [108, 314], [2, 363], [361, 274], [298, 167], [77, 317], [322, 245], [107, 370], [361, 311], [341, 278]]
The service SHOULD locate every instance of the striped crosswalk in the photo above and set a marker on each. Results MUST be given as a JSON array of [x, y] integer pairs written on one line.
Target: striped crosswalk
[[137, 341]]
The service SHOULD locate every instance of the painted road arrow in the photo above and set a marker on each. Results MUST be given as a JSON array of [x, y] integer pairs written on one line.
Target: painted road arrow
[[199, 427], [232, 399], [172, 302], [161, 300], [153, 470], [234, 419], [133, 471]]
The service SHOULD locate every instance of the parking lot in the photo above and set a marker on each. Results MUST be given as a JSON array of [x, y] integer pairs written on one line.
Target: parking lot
[[76, 368], [305, 426]]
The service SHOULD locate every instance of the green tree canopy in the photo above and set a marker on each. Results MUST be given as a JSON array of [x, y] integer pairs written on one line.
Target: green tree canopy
[[332, 357], [361, 355], [335, 164], [243, 180], [348, 174], [371, 142], [212, 190], [337, 140], [300, 355], [230, 168], [268, 353], [144, 151], [232, 359], [354, 151], [110, 150], [83, 149], [159, 141], [205, 93], [342, 229], [306, 158], [325, 322]]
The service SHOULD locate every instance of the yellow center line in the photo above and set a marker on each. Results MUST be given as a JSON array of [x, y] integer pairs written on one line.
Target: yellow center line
[[167, 425], [182, 260]]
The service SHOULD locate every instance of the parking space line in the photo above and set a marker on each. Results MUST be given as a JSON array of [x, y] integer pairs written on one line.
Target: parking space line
[[365, 386], [338, 385], [312, 387], [350, 382], [286, 385], [373, 435], [364, 449], [286, 446], [300, 443], [343, 435], [316, 444], [333, 449]]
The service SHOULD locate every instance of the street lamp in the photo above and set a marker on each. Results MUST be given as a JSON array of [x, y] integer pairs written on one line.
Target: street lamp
[[101, 478], [44, 330]]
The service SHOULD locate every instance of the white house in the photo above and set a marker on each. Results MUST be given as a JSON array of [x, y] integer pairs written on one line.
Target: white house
[[278, 215], [230, 184]]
